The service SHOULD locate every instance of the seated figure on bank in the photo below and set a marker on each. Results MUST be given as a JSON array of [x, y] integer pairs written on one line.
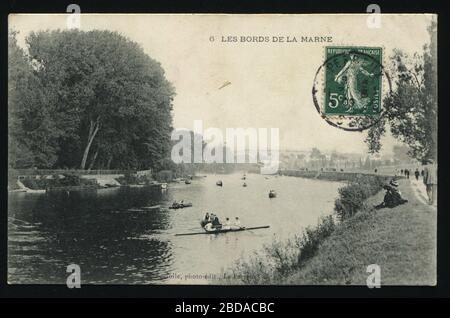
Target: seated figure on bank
[[393, 196]]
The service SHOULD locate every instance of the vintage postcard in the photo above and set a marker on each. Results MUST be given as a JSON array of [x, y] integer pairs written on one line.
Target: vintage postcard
[[222, 149]]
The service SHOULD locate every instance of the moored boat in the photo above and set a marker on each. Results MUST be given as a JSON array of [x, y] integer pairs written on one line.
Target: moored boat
[[180, 205], [36, 191]]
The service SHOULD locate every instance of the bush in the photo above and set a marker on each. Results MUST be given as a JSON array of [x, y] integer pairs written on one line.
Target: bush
[[280, 258], [164, 176], [129, 179], [352, 197], [68, 180], [34, 184], [312, 237]]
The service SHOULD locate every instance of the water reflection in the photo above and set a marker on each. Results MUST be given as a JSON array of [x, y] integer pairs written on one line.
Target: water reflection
[[92, 229]]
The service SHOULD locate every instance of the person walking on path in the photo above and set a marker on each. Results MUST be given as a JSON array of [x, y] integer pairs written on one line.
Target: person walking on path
[[430, 180], [417, 174]]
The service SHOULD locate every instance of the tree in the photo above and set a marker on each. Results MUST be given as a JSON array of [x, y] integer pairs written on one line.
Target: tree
[[300, 161], [411, 108], [315, 156], [32, 135], [110, 101], [334, 159], [400, 153]]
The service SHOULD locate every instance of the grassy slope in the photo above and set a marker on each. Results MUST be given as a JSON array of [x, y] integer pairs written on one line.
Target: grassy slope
[[401, 240]]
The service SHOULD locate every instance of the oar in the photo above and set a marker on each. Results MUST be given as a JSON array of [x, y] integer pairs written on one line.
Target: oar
[[224, 231]]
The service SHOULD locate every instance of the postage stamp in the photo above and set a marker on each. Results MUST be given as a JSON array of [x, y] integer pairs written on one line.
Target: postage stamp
[[353, 81]]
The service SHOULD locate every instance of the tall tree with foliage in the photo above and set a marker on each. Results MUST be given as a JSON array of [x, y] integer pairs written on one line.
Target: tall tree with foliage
[[110, 101], [411, 108], [32, 134]]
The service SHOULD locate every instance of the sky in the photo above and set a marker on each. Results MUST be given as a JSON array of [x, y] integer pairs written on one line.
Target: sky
[[266, 84]]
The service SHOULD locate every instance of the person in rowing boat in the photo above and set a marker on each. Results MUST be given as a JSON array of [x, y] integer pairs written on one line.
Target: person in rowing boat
[[213, 225], [207, 219], [216, 223], [208, 227], [237, 224], [227, 225]]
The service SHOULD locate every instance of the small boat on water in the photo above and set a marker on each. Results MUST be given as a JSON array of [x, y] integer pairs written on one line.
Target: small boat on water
[[109, 185], [272, 194], [153, 207], [163, 186], [219, 183], [36, 191], [187, 181], [219, 231], [180, 205]]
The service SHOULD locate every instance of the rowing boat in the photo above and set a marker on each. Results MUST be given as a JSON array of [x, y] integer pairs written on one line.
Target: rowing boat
[[225, 230], [180, 206]]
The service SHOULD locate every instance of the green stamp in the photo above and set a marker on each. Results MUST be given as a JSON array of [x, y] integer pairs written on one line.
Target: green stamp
[[353, 81]]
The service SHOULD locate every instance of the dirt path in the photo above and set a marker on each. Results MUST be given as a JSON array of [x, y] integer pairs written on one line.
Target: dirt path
[[420, 191]]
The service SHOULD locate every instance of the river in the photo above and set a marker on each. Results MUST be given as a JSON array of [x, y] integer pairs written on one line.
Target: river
[[115, 240]]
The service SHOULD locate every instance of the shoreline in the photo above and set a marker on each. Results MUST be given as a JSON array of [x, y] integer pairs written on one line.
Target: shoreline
[[333, 175], [83, 188], [401, 240]]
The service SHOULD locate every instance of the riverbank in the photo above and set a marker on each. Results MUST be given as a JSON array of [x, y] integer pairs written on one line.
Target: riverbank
[[401, 240], [333, 175], [77, 181]]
